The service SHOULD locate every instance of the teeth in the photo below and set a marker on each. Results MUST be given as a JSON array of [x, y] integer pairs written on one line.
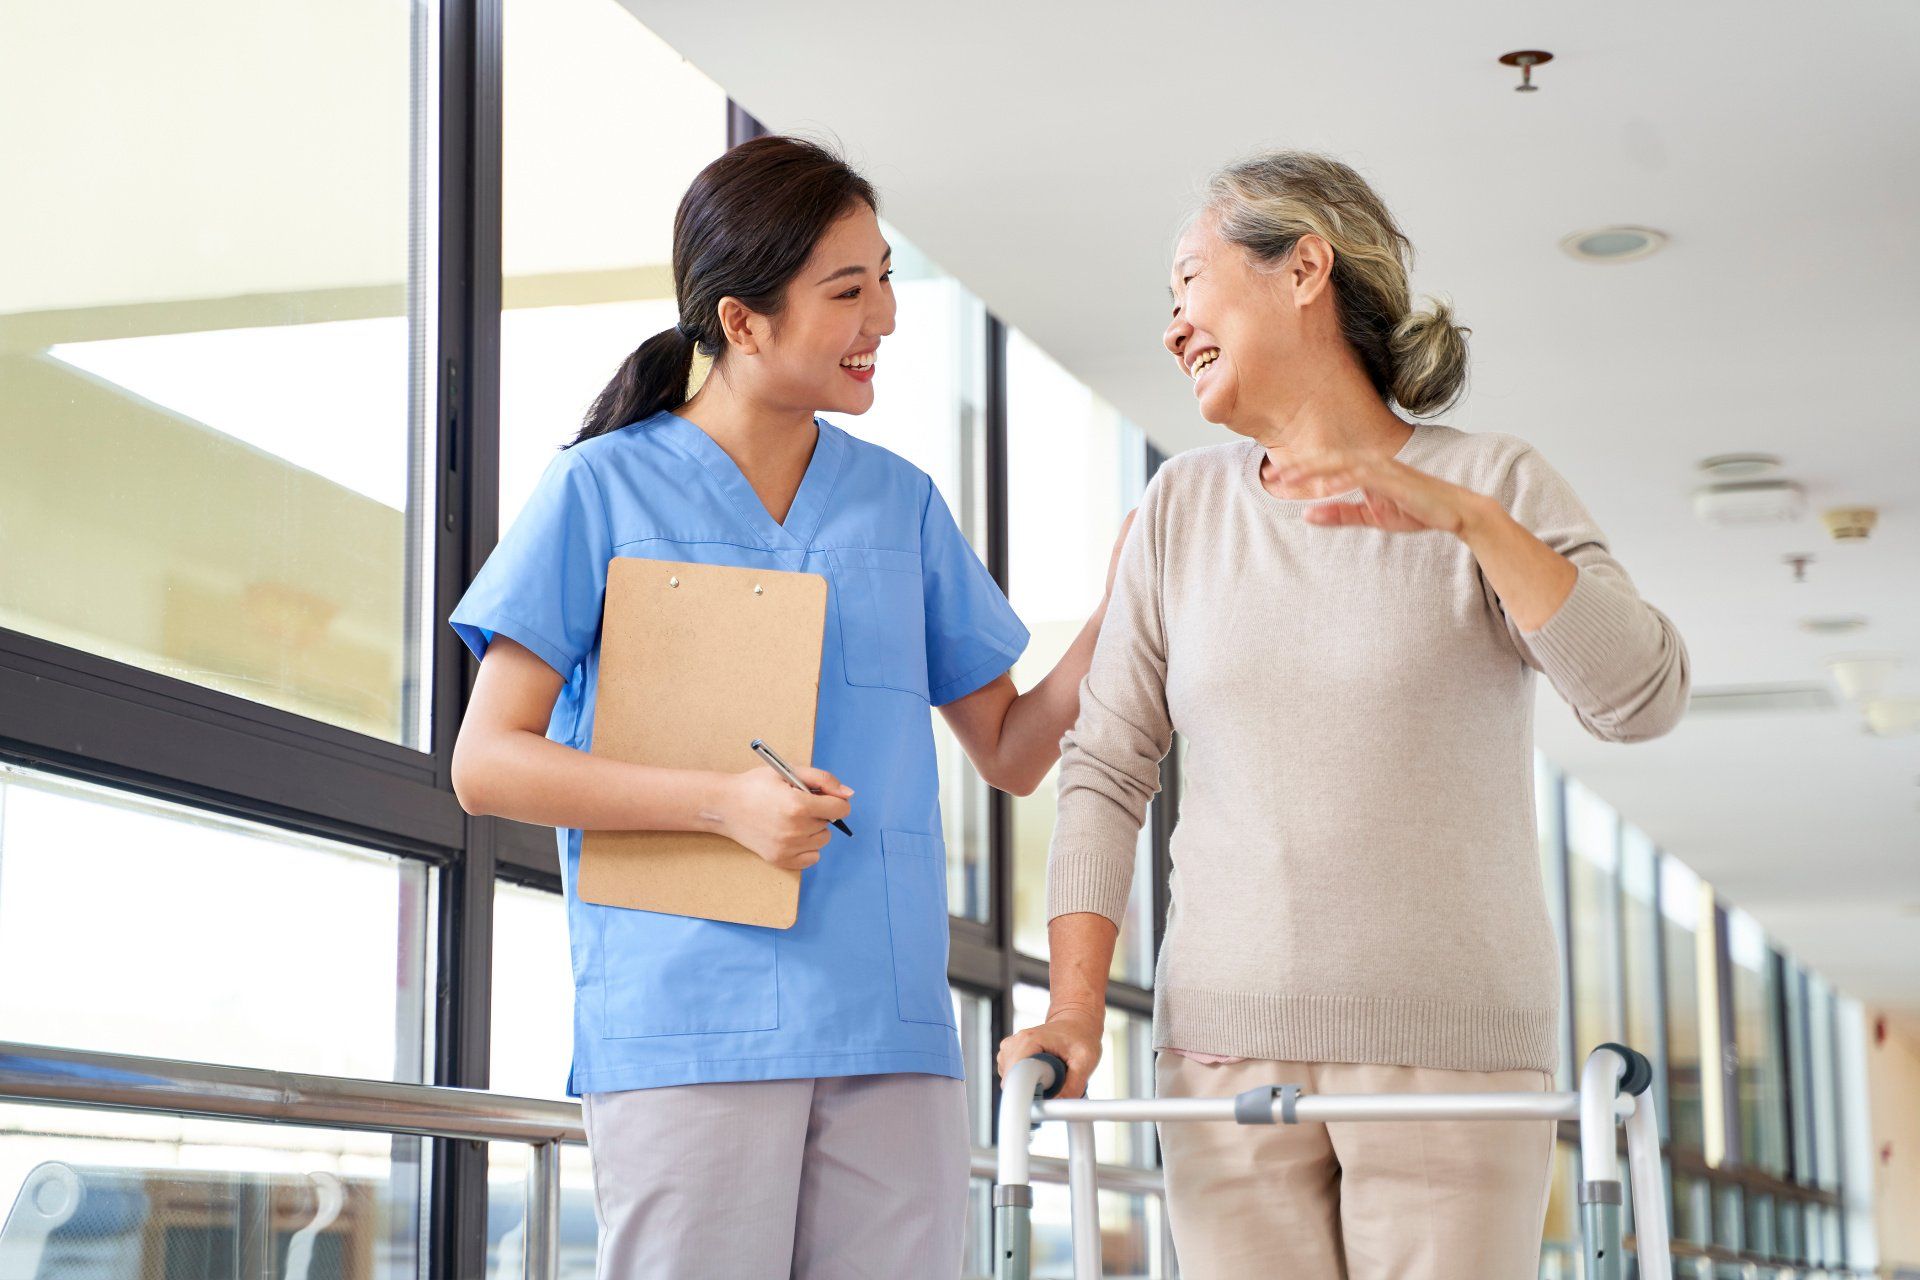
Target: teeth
[[858, 362], [1206, 358]]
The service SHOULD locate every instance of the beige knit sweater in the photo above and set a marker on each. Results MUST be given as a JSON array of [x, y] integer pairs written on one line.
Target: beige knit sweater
[[1355, 876]]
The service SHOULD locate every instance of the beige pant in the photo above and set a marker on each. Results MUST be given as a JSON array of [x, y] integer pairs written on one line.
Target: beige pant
[[1381, 1200]]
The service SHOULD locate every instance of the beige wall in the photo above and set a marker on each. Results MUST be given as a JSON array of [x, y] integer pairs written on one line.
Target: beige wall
[[1893, 1089]]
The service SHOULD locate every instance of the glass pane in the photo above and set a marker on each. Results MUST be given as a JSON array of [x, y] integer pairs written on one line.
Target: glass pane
[[206, 938], [1680, 895], [532, 1040], [1692, 1211], [1729, 1220], [1130, 1235], [1640, 954], [1593, 859], [579, 1233], [928, 408], [1553, 878], [216, 297], [1825, 1101], [99, 1195], [1800, 1074], [1060, 543], [1125, 1071], [973, 1015], [1762, 1079], [587, 273]]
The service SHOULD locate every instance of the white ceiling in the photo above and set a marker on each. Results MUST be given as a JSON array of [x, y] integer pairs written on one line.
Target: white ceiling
[[1044, 154]]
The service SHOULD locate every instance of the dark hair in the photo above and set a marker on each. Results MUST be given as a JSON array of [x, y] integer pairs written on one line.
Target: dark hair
[[744, 229]]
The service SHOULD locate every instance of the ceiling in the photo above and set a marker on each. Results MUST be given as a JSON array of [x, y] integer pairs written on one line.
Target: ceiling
[[1044, 154]]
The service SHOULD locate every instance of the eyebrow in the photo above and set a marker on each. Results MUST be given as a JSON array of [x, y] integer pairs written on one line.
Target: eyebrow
[[1177, 264], [855, 271]]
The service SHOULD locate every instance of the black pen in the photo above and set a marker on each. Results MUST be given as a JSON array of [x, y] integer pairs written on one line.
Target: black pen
[[779, 766]]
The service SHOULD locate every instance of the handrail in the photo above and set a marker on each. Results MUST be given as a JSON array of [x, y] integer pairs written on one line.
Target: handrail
[[123, 1082]]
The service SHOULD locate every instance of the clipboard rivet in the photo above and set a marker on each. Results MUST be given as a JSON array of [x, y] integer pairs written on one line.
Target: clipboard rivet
[[673, 582], [756, 589]]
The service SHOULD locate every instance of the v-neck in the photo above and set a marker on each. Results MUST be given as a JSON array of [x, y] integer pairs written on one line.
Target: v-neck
[[809, 506]]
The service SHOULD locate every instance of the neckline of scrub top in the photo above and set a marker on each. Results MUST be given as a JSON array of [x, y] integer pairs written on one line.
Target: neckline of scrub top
[[809, 505]]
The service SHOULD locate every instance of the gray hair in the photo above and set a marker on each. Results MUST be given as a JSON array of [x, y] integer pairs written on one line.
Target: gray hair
[[1264, 204]]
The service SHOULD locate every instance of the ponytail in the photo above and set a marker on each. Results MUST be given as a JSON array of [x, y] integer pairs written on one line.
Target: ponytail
[[653, 378]]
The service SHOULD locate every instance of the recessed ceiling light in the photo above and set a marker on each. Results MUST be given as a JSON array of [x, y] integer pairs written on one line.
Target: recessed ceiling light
[[1613, 244]]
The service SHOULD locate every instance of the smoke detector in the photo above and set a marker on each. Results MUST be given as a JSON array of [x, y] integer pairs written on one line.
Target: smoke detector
[[1749, 502], [1850, 524]]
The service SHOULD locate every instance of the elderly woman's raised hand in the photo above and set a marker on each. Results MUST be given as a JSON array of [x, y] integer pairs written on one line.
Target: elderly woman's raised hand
[[1394, 496]]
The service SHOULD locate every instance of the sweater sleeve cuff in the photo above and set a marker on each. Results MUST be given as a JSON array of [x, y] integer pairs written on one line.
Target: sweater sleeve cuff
[[1587, 634], [1082, 883]]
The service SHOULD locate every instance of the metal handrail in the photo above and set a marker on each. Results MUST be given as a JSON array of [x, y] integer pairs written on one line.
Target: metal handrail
[[123, 1082]]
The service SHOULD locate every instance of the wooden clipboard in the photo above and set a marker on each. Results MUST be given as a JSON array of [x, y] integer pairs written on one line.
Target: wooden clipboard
[[696, 661]]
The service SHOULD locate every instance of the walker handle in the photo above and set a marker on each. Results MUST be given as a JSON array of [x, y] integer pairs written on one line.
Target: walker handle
[[1058, 1081]]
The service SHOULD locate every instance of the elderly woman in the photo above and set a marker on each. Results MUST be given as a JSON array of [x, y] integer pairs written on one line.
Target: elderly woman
[[1342, 612]]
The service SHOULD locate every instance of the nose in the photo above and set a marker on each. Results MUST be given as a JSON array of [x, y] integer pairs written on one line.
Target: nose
[[880, 319], [1177, 334]]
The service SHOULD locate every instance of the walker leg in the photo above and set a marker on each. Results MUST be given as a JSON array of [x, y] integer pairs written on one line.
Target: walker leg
[[1083, 1190], [1013, 1233], [1600, 1190], [1653, 1244]]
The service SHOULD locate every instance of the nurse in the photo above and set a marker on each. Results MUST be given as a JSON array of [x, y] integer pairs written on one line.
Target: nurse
[[760, 1102]]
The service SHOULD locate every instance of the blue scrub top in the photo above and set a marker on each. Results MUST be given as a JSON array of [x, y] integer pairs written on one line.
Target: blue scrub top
[[858, 985]]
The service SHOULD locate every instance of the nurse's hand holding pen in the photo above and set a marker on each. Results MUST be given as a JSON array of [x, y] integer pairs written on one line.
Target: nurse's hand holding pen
[[789, 828]]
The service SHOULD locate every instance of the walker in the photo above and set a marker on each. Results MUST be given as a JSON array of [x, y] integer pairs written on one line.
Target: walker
[[1614, 1088]]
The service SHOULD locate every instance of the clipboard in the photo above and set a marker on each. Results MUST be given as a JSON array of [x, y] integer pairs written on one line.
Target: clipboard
[[696, 661]]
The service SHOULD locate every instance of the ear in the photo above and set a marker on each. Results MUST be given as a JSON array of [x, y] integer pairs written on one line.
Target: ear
[[742, 329], [1311, 272]]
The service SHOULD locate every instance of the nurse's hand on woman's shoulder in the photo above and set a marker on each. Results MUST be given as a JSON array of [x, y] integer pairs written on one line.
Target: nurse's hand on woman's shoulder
[[785, 826]]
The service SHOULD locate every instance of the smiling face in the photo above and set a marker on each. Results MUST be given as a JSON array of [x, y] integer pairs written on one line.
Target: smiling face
[[1235, 330], [819, 352]]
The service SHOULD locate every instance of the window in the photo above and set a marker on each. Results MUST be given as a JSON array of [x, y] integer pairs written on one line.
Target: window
[[130, 925], [1681, 894], [1640, 954], [1060, 546], [1551, 831], [532, 1036], [215, 387], [1762, 1077], [1593, 862], [605, 127], [87, 1193]]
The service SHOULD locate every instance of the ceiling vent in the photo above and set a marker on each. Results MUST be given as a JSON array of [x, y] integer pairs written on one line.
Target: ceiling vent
[[1749, 502]]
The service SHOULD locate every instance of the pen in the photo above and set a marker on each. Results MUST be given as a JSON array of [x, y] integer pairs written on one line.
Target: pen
[[779, 766]]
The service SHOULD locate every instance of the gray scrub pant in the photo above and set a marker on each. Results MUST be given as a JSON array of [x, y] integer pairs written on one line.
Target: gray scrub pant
[[839, 1178]]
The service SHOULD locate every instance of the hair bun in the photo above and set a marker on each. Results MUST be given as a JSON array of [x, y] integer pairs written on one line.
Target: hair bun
[[1429, 360]]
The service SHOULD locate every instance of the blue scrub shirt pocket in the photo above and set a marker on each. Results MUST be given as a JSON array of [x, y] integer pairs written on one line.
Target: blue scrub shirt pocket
[[883, 617], [671, 975], [916, 868]]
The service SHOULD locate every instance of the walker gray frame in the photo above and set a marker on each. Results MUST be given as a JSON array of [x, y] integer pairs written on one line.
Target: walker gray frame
[[1614, 1089]]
